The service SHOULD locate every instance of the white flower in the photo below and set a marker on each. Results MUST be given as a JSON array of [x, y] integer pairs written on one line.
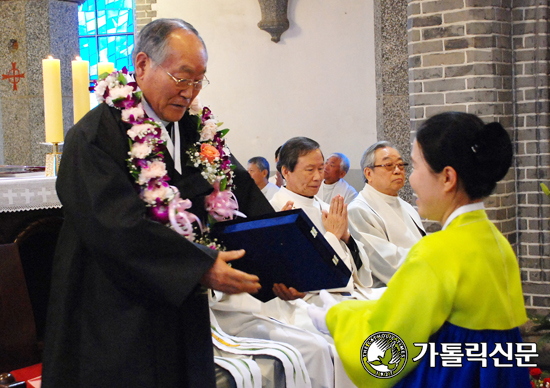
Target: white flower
[[99, 91], [137, 112], [209, 130], [141, 150], [155, 169], [196, 107], [139, 130], [162, 192], [121, 92]]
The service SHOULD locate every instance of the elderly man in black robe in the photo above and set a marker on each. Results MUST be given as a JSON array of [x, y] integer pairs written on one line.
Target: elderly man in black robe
[[129, 306]]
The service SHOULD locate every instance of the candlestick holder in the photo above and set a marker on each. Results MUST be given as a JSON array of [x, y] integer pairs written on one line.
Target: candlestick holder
[[53, 159]]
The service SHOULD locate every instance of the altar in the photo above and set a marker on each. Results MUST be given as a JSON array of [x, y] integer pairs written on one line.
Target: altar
[[25, 200]]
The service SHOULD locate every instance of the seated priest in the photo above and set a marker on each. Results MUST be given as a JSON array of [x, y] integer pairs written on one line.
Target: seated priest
[[302, 165], [386, 225], [258, 168], [336, 168]]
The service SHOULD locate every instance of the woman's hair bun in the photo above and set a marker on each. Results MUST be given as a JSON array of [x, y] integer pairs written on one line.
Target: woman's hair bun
[[494, 151], [481, 154]]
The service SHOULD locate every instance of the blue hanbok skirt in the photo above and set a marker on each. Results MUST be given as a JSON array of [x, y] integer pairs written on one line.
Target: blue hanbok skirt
[[472, 374]]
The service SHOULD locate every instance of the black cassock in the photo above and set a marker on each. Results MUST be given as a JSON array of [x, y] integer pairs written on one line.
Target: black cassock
[[126, 307]]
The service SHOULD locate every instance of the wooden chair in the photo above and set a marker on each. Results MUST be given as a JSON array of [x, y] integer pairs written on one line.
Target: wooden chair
[[36, 245], [18, 341]]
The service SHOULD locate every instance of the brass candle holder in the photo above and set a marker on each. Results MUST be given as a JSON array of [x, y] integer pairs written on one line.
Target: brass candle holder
[[53, 159]]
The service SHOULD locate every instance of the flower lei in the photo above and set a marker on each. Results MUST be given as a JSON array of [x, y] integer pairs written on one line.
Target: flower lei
[[146, 159]]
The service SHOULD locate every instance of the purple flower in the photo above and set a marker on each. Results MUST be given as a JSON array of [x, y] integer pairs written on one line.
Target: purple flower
[[206, 114], [159, 213]]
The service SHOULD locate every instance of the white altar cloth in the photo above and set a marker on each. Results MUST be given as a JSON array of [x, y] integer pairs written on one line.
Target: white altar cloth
[[32, 193]]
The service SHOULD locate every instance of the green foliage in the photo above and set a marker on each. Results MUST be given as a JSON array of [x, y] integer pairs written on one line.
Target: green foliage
[[542, 323]]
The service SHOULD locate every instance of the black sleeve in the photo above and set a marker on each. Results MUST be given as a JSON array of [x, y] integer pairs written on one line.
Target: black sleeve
[[352, 245]]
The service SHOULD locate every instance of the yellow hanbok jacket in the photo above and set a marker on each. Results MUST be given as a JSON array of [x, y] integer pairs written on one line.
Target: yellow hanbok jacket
[[466, 275]]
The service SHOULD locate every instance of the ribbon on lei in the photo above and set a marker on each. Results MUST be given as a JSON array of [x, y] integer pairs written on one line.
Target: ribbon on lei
[[222, 205], [180, 218]]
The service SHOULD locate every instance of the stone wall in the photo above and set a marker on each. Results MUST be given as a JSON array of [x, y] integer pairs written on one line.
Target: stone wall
[[29, 32], [489, 57]]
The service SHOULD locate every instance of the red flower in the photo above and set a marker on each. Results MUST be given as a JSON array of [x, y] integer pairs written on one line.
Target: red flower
[[546, 382], [535, 373], [533, 384]]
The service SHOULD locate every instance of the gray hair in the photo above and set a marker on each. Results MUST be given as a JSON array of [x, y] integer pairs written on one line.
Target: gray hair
[[293, 149], [368, 158], [260, 162], [153, 38], [344, 161]]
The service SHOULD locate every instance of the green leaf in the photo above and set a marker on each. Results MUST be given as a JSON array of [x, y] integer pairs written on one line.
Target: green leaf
[[223, 184], [223, 132], [545, 189], [138, 94], [211, 220], [102, 76], [122, 79]]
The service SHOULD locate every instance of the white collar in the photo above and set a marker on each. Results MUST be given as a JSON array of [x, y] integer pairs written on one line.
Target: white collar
[[173, 149], [298, 198], [332, 184], [463, 209], [389, 199]]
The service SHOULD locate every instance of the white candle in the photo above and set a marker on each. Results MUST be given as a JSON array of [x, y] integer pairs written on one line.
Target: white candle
[[105, 67], [53, 112], [81, 84]]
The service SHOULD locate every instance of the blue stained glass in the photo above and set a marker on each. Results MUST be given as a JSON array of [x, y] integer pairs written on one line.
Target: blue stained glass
[[106, 29], [87, 6]]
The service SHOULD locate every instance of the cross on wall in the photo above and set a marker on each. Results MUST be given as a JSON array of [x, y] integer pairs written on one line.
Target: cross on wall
[[14, 75]]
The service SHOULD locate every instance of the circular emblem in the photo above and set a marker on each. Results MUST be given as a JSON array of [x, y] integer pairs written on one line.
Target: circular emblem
[[384, 354]]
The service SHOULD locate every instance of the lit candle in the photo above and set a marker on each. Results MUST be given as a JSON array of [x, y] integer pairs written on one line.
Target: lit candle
[[81, 84], [53, 113], [105, 67]]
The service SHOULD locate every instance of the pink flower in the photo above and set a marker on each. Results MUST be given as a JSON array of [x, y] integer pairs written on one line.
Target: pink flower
[[132, 114], [161, 192], [156, 169], [209, 130], [196, 107], [139, 130], [140, 150]]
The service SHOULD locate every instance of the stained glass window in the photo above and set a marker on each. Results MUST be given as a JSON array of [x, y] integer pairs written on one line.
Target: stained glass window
[[106, 33]]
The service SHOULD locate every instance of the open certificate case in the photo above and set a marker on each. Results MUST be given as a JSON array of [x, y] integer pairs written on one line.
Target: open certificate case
[[283, 247]]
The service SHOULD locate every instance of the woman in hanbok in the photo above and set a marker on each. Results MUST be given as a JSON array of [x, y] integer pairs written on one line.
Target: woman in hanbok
[[456, 303]]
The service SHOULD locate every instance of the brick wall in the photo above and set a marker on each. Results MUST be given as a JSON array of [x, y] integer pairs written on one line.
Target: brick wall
[[144, 13], [531, 55], [489, 58]]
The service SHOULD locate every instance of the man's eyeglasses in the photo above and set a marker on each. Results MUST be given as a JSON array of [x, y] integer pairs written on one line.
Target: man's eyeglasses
[[184, 83], [392, 166]]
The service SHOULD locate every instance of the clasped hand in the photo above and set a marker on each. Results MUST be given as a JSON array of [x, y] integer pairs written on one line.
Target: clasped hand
[[335, 220], [222, 277]]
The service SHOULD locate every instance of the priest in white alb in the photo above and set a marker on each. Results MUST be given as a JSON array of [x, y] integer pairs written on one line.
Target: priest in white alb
[[336, 168], [386, 225]]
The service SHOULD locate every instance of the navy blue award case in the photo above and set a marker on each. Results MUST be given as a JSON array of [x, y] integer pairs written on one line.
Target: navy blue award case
[[283, 247]]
